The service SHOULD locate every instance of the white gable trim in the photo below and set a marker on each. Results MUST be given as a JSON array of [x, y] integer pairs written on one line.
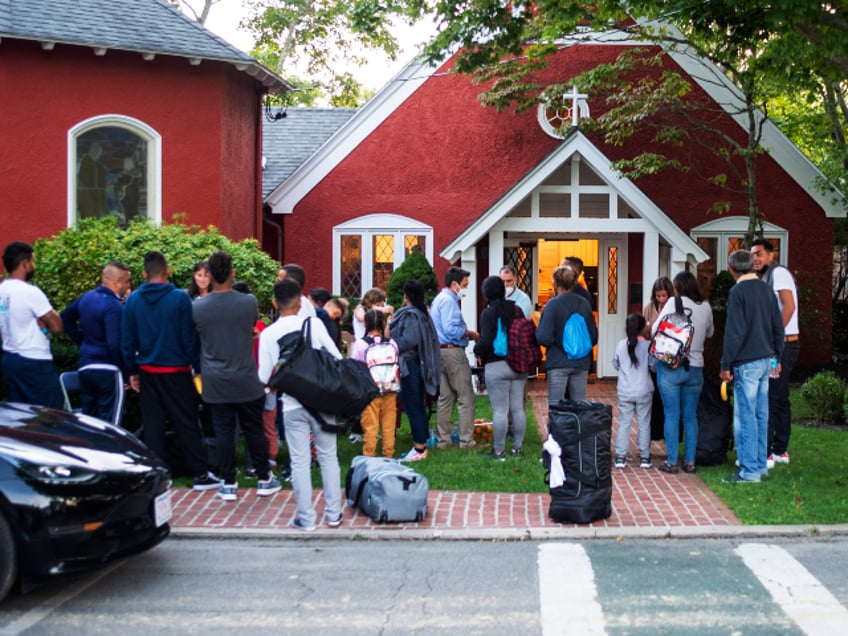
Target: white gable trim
[[653, 218], [288, 194]]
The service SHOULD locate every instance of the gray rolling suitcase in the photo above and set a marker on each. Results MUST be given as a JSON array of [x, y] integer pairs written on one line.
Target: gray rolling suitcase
[[386, 490]]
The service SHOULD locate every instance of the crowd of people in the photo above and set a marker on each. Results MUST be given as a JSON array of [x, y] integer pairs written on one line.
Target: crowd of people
[[216, 345]]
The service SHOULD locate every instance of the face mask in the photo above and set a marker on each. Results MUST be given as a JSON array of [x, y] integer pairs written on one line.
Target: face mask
[[463, 292], [508, 291]]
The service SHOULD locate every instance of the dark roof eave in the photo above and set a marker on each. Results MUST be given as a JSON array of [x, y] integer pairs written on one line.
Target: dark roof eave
[[246, 64]]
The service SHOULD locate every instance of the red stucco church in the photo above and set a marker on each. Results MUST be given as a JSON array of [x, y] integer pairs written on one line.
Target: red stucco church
[[424, 165]]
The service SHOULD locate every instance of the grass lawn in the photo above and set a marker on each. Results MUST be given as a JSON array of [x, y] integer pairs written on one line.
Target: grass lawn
[[813, 489]]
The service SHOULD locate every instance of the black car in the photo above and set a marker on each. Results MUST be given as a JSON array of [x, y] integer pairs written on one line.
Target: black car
[[75, 493]]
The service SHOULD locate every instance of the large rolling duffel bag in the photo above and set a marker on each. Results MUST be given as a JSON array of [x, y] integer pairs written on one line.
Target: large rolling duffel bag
[[386, 490], [583, 431]]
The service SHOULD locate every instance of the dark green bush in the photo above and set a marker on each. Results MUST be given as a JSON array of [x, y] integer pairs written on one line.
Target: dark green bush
[[414, 267], [70, 262], [824, 394]]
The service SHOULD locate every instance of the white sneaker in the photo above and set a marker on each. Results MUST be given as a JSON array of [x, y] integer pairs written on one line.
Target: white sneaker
[[780, 459], [770, 462], [414, 455]]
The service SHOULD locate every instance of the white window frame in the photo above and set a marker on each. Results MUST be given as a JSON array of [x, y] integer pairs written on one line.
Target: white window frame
[[366, 227], [730, 227], [154, 161]]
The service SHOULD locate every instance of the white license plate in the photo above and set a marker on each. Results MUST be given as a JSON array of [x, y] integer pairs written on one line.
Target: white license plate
[[162, 508]]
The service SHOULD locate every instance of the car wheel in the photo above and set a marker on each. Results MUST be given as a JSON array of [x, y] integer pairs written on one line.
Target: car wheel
[[8, 558]]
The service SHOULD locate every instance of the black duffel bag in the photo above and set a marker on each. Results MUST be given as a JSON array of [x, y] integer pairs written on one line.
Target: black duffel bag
[[321, 382], [583, 432]]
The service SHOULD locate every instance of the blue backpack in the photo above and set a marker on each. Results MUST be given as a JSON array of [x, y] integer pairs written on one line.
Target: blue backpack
[[576, 341], [500, 343]]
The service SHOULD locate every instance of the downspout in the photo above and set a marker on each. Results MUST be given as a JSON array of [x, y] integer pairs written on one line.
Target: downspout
[[257, 190]]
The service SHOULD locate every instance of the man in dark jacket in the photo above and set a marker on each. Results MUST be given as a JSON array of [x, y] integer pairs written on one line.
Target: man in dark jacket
[[93, 321], [160, 347], [752, 337]]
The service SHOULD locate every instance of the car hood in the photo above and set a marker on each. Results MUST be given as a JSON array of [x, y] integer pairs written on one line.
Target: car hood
[[39, 435]]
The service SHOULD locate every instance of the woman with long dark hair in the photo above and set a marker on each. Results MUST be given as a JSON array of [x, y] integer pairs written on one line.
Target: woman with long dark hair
[[680, 388], [420, 363], [504, 386]]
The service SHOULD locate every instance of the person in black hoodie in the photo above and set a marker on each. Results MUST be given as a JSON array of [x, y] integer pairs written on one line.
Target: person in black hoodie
[[504, 386], [753, 336], [160, 348]]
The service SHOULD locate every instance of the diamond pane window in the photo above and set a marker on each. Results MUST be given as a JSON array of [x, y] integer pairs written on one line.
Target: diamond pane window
[[384, 259], [351, 266], [612, 280], [413, 242]]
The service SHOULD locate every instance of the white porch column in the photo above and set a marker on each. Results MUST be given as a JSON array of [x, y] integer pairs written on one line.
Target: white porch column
[[650, 263], [496, 251], [468, 262]]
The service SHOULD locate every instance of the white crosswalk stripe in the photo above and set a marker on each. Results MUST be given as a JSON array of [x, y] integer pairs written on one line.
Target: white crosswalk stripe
[[567, 594], [813, 608], [571, 600]]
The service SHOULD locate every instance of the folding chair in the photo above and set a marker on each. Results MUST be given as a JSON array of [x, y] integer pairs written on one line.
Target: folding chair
[[70, 382]]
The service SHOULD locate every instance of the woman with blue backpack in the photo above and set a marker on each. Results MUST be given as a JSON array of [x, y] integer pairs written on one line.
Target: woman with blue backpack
[[567, 328], [504, 386]]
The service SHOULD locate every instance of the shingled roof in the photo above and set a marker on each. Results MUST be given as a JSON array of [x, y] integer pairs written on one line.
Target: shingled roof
[[150, 27], [288, 142]]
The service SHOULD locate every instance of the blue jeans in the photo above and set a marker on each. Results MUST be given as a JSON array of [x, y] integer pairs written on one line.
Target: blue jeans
[[412, 398], [680, 391], [751, 417]]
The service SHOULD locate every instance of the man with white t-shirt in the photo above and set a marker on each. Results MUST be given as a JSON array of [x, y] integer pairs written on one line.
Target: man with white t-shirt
[[26, 320], [300, 422], [782, 282]]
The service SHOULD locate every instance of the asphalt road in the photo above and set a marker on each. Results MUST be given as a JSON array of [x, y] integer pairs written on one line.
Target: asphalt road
[[272, 586]]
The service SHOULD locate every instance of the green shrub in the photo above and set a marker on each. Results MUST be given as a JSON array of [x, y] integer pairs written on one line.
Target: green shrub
[[70, 262], [414, 267], [824, 394], [720, 289], [845, 407]]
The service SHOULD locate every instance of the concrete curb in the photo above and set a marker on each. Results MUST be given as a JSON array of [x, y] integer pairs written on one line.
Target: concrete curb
[[517, 534]]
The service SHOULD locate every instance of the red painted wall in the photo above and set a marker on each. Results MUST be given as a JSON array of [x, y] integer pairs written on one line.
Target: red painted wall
[[207, 116], [443, 159]]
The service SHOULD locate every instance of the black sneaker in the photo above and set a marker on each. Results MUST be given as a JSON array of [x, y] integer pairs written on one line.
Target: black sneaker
[[498, 457], [516, 451], [207, 482]]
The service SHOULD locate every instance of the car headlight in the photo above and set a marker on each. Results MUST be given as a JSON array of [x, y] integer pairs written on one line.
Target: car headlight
[[59, 473]]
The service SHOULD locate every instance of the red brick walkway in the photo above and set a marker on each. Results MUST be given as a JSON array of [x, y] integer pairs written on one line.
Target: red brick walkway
[[641, 499]]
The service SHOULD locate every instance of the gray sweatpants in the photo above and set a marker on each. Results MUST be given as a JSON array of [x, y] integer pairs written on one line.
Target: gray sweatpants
[[641, 406]]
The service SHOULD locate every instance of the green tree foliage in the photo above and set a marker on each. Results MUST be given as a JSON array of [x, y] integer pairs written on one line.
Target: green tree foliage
[[316, 39], [70, 262], [414, 267]]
